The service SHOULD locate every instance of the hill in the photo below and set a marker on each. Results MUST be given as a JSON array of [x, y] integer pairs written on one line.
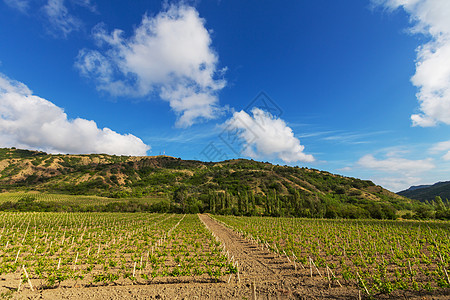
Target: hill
[[428, 192], [237, 186]]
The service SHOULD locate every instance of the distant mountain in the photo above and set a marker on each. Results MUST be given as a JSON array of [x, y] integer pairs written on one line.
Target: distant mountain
[[237, 186], [428, 192], [416, 187]]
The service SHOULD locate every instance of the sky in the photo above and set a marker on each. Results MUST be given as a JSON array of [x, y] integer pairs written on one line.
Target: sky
[[359, 88]]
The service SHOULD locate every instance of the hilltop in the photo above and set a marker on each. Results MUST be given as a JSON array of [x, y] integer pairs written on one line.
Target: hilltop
[[428, 192], [237, 186]]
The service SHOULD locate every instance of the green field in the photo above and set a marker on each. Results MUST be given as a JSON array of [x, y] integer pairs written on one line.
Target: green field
[[82, 200], [379, 256], [36, 201], [99, 248], [94, 249]]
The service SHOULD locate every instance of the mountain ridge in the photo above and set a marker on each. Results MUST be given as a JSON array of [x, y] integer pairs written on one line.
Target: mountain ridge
[[416, 187], [428, 192]]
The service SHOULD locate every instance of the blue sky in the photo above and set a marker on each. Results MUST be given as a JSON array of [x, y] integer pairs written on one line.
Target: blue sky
[[358, 88]]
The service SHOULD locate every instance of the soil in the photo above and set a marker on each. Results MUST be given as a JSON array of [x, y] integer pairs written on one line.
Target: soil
[[262, 275]]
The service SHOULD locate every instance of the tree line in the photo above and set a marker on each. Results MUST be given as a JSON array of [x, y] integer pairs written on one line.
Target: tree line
[[248, 203]]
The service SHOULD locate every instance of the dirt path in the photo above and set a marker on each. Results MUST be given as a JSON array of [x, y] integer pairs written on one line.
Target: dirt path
[[274, 277], [256, 266]]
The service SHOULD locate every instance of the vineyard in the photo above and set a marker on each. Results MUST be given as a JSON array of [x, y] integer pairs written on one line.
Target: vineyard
[[47, 202], [171, 255], [81, 200], [91, 249], [16, 196], [377, 257]]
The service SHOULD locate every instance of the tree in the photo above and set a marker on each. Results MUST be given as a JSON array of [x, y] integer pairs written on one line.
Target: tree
[[439, 204]]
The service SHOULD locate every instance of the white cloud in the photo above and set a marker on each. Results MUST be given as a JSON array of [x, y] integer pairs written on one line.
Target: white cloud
[[392, 164], [432, 77], [20, 5], [397, 184], [86, 4], [439, 147], [345, 169], [169, 55], [264, 135], [28, 121], [61, 21], [446, 156], [394, 172], [442, 147]]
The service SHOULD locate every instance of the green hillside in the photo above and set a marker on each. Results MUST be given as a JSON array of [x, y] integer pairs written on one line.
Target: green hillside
[[428, 193], [241, 187]]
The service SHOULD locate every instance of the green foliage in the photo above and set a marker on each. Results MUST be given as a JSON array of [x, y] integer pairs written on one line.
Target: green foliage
[[428, 193], [98, 249], [380, 256]]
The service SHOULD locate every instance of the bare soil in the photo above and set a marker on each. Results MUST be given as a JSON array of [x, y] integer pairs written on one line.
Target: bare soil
[[262, 275]]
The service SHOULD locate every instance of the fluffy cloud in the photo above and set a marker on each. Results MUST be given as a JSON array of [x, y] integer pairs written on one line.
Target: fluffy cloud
[[432, 77], [28, 121], [169, 55], [394, 164], [442, 147], [264, 135]]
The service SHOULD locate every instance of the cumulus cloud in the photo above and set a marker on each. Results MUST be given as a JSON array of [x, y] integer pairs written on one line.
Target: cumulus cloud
[[29, 121], [169, 55], [264, 135], [432, 77], [442, 147], [392, 164]]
